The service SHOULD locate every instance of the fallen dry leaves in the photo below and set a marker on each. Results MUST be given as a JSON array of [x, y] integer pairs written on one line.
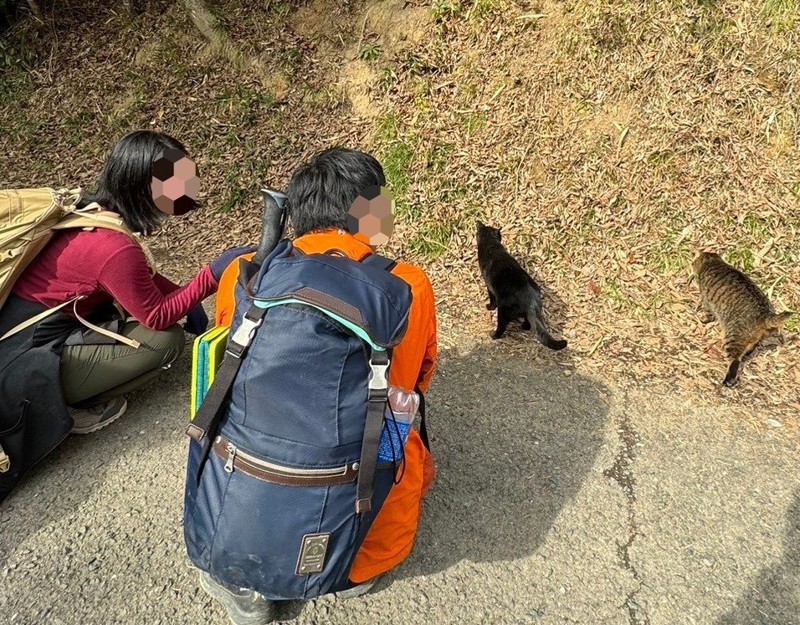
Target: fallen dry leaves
[[610, 141]]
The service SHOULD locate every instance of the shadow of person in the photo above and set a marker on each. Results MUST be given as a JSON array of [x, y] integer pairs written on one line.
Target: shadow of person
[[513, 441], [775, 598]]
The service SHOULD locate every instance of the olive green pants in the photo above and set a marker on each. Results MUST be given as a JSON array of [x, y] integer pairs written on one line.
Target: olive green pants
[[95, 373]]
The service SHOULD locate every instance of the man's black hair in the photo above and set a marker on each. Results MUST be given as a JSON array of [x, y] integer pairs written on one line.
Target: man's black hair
[[124, 186], [321, 192]]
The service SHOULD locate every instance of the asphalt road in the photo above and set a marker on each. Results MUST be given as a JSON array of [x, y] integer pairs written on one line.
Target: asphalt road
[[559, 500]]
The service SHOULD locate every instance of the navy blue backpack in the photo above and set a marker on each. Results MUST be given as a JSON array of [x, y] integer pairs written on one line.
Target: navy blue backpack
[[283, 480]]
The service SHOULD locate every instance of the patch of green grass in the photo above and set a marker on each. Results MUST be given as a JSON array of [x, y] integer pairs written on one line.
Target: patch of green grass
[[443, 10], [242, 103], [437, 157], [397, 163], [422, 93], [610, 30], [170, 55], [433, 239], [673, 260], [612, 291], [17, 58], [234, 199], [387, 128], [467, 91], [782, 15], [387, 78], [15, 85], [453, 191], [414, 64], [371, 51], [292, 57], [671, 252], [485, 9], [712, 31], [706, 5], [282, 10], [397, 157], [757, 226], [793, 324], [660, 158], [741, 258], [473, 122]]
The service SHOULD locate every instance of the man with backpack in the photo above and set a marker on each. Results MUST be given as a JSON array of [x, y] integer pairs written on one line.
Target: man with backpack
[[313, 330]]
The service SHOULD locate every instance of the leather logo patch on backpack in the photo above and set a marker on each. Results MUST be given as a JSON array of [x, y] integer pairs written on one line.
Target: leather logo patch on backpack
[[312, 553]]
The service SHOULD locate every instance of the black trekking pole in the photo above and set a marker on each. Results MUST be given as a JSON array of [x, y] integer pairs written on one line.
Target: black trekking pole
[[273, 222]]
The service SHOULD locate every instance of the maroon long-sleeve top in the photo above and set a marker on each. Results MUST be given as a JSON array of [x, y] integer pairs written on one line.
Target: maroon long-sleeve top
[[104, 265]]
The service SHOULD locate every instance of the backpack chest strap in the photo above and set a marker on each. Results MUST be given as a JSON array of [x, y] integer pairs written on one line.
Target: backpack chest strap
[[376, 407]]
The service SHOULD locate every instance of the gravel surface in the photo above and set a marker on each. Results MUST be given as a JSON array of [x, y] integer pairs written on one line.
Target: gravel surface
[[559, 500]]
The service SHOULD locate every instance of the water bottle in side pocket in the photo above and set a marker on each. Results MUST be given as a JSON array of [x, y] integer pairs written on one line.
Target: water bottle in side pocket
[[398, 418]]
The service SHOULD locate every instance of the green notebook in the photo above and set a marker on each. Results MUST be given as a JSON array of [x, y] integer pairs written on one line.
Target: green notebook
[[207, 354]]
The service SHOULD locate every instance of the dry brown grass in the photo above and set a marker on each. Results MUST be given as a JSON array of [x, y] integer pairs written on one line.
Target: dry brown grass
[[610, 140]]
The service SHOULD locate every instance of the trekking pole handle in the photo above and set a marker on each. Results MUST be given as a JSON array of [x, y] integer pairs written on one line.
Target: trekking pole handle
[[273, 222]]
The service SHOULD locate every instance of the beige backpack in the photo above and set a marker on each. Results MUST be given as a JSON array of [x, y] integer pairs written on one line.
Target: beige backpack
[[28, 220]]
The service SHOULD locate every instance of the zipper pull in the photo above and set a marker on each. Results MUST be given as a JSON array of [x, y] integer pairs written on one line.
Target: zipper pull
[[231, 457]]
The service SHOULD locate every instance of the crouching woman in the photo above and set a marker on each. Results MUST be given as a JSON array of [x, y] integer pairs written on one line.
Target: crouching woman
[[69, 370]]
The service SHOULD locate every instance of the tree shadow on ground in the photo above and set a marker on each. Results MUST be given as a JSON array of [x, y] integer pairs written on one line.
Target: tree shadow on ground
[[513, 440], [775, 598]]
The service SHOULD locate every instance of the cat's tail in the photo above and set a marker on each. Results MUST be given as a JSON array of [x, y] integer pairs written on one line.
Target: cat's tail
[[545, 337], [776, 321]]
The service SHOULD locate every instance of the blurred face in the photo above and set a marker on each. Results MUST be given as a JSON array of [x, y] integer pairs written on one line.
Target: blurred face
[[370, 218], [175, 183]]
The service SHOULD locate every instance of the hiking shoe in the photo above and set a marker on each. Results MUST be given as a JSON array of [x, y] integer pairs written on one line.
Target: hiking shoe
[[356, 591], [244, 607], [91, 419]]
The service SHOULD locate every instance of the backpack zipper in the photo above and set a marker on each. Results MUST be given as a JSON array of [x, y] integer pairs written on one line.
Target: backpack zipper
[[231, 457], [234, 454]]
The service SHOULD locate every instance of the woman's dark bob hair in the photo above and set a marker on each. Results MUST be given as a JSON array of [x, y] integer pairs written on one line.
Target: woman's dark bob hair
[[124, 186], [321, 192]]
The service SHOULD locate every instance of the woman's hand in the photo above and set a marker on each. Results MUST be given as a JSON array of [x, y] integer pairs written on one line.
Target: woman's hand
[[196, 321], [220, 264]]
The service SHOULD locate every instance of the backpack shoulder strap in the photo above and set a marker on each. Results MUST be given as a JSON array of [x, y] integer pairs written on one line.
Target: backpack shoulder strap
[[380, 262], [74, 301], [90, 218], [376, 406], [205, 421], [423, 425]]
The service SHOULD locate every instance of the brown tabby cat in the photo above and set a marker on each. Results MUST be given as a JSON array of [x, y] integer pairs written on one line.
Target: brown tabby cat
[[742, 309]]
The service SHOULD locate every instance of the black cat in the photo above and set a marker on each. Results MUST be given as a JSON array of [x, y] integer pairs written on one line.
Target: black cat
[[512, 291]]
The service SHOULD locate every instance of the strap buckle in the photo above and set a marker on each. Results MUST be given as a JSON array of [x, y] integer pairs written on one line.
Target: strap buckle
[[378, 379], [243, 336], [5, 461]]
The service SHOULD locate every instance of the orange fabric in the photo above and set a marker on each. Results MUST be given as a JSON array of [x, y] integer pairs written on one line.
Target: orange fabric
[[391, 536], [226, 304]]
